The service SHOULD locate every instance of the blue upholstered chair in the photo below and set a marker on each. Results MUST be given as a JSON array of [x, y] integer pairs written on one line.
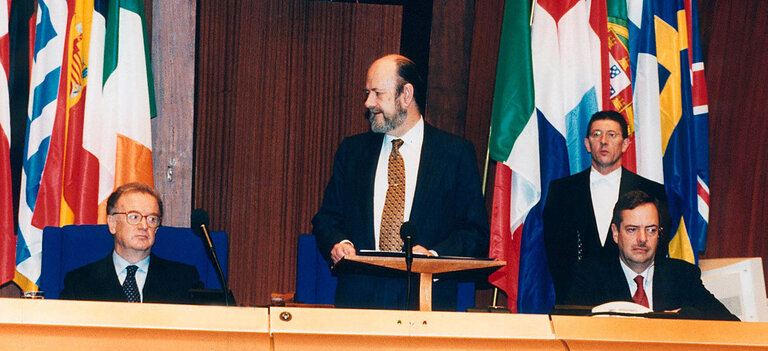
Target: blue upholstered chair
[[73, 246], [316, 285]]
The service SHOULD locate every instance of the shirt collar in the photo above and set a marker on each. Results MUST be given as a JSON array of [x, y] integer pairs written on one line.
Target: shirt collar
[[121, 263], [630, 274], [412, 137], [613, 177]]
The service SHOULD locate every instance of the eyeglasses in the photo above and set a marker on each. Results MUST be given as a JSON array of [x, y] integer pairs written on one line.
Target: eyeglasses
[[651, 230], [598, 133], [133, 218]]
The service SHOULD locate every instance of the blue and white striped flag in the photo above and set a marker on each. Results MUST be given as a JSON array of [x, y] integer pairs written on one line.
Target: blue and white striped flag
[[50, 30]]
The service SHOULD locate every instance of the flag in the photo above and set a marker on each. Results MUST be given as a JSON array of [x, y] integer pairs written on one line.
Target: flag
[[514, 143], [546, 142], [50, 31], [644, 63], [617, 38], [674, 120], [124, 144], [7, 235], [101, 134]]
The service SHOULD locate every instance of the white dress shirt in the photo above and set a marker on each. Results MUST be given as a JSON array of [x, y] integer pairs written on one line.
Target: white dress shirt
[[141, 273], [605, 192], [411, 152], [647, 274]]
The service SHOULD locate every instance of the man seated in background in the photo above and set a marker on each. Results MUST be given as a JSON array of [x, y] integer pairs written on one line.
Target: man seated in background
[[635, 274], [577, 211], [131, 273]]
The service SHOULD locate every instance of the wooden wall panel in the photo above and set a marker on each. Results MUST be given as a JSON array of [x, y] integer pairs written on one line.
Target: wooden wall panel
[[449, 53], [279, 85], [738, 128], [173, 65]]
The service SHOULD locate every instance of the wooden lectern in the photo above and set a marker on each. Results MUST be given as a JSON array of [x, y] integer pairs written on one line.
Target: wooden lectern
[[426, 267]]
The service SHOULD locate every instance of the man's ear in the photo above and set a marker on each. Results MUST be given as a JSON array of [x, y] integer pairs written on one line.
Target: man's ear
[[112, 224], [615, 232], [586, 144], [625, 145], [407, 94]]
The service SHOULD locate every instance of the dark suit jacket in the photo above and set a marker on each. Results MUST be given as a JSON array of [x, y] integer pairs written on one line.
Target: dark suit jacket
[[676, 284], [167, 282], [570, 230], [448, 207]]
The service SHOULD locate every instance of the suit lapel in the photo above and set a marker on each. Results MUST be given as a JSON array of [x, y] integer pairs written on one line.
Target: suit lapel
[[617, 286], [106, 277], [661, 286], [369, 161], [589, 232], [429, 161]]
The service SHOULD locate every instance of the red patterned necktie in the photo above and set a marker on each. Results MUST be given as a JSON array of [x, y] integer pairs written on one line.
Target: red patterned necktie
[[394, 204], [640, 297], [130, 288]]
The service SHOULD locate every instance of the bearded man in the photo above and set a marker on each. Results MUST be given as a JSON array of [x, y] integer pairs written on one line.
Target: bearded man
[[403, 170]]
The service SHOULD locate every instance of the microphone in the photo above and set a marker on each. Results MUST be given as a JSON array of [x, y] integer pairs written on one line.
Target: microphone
[[408, 232], [200, 221]]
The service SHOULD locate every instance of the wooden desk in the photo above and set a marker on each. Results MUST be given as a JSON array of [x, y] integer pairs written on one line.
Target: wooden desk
[[84, 325], [612, 333], [350, 329], [425, 267]]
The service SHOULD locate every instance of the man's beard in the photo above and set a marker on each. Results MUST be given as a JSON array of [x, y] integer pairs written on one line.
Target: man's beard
[[390, 122]]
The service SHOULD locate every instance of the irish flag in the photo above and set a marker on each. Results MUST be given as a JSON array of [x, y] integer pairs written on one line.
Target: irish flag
[[101, 135]]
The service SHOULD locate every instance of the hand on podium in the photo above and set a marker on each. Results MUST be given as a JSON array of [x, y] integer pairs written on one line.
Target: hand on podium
[[342, 249]]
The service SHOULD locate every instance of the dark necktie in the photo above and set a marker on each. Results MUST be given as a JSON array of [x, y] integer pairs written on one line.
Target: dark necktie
[[394, 203], [640, 297], [130, 288]]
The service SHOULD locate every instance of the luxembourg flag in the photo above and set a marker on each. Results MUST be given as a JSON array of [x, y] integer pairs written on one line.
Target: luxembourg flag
[[535, 145]]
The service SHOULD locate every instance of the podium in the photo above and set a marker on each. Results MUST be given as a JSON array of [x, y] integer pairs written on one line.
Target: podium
[[426, 267]]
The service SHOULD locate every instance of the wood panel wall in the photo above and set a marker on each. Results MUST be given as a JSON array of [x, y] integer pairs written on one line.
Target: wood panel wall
[[279, 84], [736, 79]]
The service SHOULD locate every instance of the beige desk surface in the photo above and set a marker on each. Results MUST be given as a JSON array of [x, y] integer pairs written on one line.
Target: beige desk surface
[[603, 333], [351, 329], [85, 325]]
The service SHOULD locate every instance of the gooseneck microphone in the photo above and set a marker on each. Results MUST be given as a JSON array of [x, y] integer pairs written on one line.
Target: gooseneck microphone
[[199, 224], [408, 233]]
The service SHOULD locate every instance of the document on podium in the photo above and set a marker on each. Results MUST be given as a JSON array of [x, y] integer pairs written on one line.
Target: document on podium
[[374, 253]]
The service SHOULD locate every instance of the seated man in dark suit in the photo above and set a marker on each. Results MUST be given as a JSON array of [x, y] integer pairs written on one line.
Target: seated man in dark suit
[[635, 274], [130, 273]]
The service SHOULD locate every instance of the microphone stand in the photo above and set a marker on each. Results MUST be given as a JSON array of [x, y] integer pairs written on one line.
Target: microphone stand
[[217, 265], [408, 262]]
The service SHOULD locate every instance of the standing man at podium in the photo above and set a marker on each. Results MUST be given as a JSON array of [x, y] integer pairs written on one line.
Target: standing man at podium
[[402, 170]]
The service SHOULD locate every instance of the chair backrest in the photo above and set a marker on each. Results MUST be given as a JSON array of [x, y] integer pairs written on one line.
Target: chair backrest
[[316, 285], [73, 246]]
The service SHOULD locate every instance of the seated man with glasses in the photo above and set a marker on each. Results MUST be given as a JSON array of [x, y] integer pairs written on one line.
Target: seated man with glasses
[[637, 275], [131, 273]]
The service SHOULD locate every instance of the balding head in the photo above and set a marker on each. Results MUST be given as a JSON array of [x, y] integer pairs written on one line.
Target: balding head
[[392, 96]]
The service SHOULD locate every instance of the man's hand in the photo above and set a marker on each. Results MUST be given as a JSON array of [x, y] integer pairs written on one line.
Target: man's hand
[[340, 250], [418, 249]]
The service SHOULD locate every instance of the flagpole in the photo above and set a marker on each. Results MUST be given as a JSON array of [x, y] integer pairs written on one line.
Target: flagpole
[[493, 305]]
